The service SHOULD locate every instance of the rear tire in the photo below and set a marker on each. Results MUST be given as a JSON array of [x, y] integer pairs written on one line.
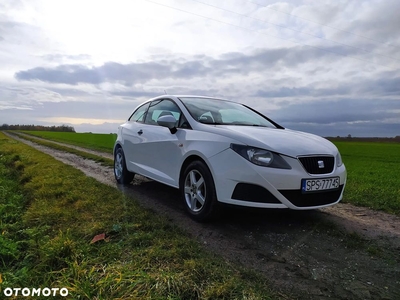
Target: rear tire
[[121, 173], [198, 192]]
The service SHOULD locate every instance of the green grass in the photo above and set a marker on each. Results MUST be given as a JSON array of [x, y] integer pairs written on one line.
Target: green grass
[[95, 141], [49, 214], [373, 174]]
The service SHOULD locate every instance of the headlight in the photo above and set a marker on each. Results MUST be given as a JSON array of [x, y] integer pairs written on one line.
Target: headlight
[[339, 161], [261, 157]]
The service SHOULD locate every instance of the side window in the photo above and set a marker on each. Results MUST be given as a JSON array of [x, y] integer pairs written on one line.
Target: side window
[[139, 114], [159, 108]]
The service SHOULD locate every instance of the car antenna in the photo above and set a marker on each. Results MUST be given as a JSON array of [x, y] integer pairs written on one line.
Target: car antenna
[[165, 92]]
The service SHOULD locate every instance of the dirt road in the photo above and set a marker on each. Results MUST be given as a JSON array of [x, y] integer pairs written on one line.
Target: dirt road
[[342, 252]]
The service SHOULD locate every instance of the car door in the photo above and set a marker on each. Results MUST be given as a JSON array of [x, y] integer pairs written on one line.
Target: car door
[[159, 152], [131, 132]]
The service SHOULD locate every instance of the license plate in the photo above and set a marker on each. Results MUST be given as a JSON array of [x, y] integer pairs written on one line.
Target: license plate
[[321, 184]]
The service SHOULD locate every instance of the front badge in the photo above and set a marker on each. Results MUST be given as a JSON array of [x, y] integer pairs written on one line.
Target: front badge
[[321, 164]]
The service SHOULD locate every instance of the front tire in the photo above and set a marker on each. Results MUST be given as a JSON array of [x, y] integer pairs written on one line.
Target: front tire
[[198, 192], [121, 173]]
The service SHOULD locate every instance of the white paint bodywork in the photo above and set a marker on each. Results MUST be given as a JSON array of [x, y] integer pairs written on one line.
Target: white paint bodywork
[[158, 154]]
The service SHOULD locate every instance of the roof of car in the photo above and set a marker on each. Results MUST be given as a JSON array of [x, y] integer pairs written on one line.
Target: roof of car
[[188, 96], [191, 96]]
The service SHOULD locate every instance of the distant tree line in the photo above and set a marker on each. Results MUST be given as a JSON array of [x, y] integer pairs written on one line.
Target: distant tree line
[[395, 139], [64, 128]]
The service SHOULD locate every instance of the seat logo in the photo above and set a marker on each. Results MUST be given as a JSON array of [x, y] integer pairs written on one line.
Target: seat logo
[[321, 164]]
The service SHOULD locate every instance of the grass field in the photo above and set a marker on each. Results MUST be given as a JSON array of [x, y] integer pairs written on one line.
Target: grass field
[[373, 174], [95, 141], [49, 213]]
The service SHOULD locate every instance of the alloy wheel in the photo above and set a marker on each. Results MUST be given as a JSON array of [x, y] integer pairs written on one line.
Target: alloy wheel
[[118, 165], [195, 191]]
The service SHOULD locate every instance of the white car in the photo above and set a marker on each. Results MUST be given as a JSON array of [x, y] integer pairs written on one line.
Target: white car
[[216, 150]]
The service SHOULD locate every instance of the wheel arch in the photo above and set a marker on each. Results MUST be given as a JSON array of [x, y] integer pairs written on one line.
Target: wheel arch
[[188, 160], [209, 208], [116, 147]]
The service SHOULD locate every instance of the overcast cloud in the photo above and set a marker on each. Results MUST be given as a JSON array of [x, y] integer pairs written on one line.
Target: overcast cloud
[[327, 67]]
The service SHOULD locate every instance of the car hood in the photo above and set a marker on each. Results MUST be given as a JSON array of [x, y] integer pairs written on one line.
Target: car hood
[[285, 141]]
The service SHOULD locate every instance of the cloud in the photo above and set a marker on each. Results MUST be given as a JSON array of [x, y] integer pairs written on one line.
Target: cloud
[[339, 111], [383, 85], [24, 96], [14, 32], [114, 72], [178, 68], [22, 107], [374, 14], [58, 57], [78, 121]]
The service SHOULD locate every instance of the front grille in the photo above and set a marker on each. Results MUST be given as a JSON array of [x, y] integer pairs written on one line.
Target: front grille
[[299, 199], [318, 164]]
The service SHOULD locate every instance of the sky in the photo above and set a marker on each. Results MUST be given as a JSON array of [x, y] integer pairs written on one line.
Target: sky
[[327, 67]]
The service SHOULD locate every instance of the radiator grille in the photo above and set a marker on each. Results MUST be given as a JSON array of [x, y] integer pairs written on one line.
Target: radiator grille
[[318, 164]]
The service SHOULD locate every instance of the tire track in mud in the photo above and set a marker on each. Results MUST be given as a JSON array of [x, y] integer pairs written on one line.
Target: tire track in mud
[[303, 254]]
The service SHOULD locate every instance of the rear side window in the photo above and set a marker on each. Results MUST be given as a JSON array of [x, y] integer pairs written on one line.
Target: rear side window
[[139, 114]]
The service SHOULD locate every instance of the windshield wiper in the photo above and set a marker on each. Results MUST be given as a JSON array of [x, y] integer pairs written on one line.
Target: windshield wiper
[[212, 123], [230, 124]]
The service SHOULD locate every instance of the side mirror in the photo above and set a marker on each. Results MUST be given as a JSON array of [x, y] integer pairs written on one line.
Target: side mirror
[[167, 121]]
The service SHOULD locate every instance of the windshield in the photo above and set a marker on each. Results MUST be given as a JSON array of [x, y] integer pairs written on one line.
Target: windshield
[[221, 112]]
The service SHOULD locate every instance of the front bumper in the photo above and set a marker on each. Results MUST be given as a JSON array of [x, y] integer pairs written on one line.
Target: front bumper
[[239, 182]]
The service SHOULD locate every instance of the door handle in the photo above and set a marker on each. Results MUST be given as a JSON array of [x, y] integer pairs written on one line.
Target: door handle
[[140, 132]]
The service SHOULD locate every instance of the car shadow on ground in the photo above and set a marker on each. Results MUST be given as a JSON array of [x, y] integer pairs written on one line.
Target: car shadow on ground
[[166, 200]]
